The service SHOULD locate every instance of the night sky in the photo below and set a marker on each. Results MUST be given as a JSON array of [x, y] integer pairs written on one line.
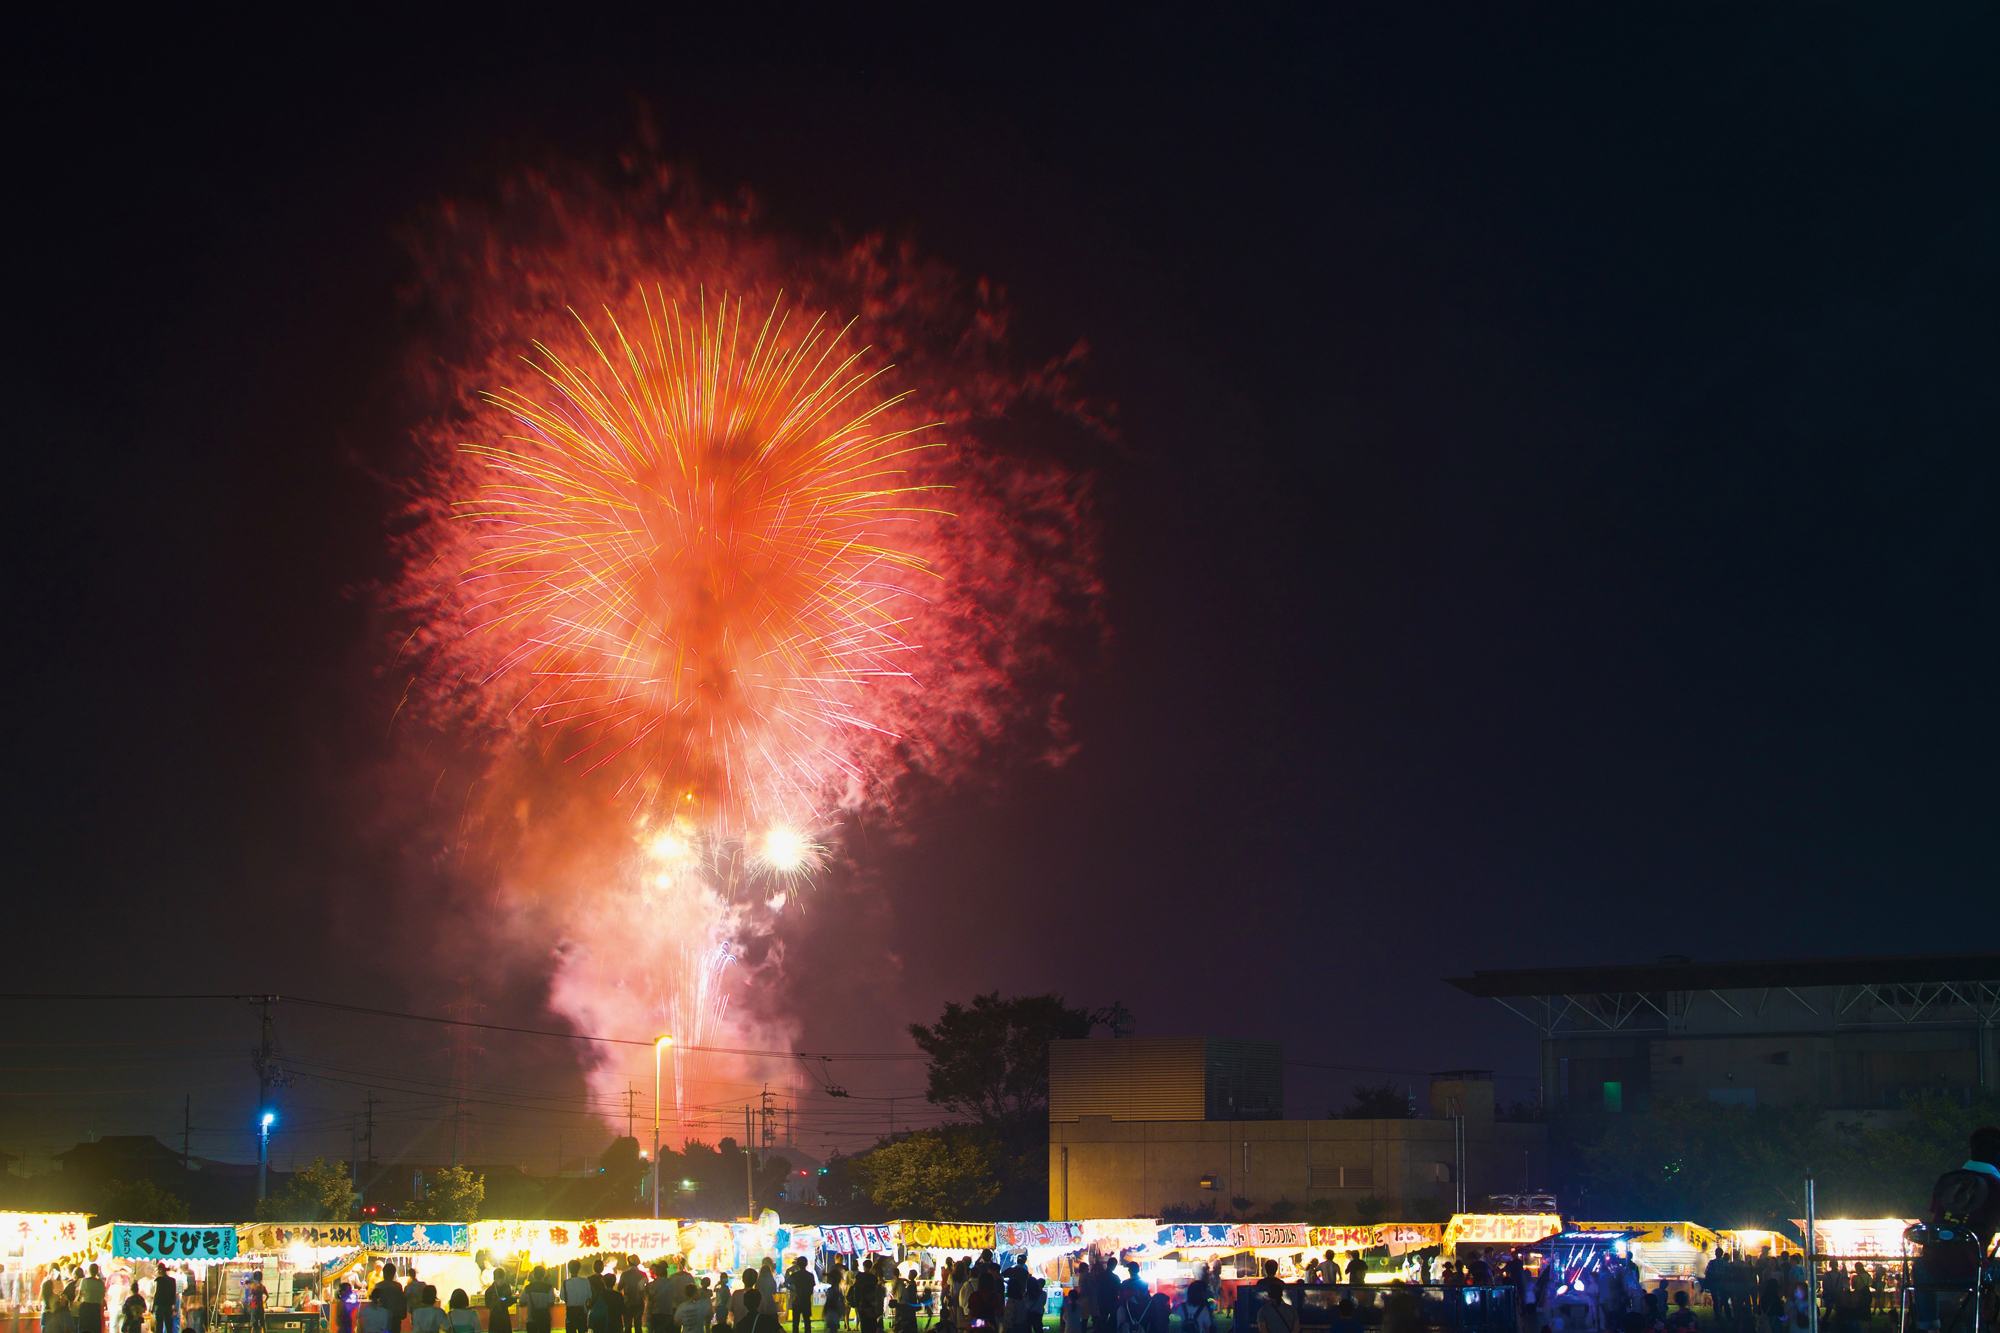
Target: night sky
[[1551, 520]]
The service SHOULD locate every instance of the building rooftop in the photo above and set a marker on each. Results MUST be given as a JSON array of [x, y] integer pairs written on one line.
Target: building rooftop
[[1682, 974]]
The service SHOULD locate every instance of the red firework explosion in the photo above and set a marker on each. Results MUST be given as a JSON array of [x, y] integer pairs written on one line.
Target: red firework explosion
[[710, 514]]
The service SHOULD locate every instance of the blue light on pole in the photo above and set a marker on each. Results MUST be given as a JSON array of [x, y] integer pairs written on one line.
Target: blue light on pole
[[269, 1116]]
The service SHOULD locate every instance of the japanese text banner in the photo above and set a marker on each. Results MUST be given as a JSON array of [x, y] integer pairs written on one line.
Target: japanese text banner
[[132, 1240]]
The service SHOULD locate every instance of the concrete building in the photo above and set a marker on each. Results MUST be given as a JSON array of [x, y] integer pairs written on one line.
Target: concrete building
[[1138, 1125], [1848, 1034]]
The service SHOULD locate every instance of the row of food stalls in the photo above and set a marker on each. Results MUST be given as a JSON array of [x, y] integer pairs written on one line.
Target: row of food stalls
[[302, 1265]]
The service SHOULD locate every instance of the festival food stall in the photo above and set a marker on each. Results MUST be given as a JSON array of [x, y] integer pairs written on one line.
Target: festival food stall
[[1874, 1240], [1672, 1252], [128, 1255], [295, 1261], [29, 1244]]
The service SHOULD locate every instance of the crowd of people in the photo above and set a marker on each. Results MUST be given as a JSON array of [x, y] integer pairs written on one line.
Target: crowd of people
[[76, 1301], [617, 1294]]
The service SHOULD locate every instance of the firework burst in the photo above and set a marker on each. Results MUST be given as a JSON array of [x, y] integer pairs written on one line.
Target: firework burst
[[698, 548], [705, 567]]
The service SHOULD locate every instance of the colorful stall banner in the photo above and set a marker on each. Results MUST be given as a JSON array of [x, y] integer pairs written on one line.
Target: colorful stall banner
[[418, 1237], [542, 1242], [1394, 1235], [1194, 1235], [1500, 1228], [866, 1240], [1342, 1238], [947, 1235], [1270, 1236], [1120, 1233], [647, 1237], [275, 1237], [27, 1235], [1408, 1235], [133, 1240], [1037, 1235]]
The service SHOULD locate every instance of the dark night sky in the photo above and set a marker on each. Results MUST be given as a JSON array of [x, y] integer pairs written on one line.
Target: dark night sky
[[1553, 521]]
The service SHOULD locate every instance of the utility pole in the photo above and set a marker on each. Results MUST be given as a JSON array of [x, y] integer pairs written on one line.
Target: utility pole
[[630, 1093], [749, 1180], [770, 1136], [270, 1074]]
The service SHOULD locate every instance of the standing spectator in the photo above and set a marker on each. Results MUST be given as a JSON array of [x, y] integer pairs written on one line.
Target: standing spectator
[[1683, 1319], [461, 1318], [166, 1302], [89, 1308], [1276, 1315], [799, 1284], [374, 1317], [576, 1298], [1357, 1269], [390, 1297], [1015, 1289], [254, 1295], [694, 1312], [984, 1307], [632, 1291], [499, 1300], [1077, 1308], [538, 1299], [835, 1310], [425, 1317], [664, 1298], [1107, 1297], [756, 1319]]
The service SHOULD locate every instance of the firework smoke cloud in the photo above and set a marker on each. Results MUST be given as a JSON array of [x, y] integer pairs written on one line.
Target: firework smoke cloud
[[707, 554]]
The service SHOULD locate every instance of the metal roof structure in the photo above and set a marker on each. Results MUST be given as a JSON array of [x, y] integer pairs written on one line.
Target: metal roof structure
[[1682, 974]]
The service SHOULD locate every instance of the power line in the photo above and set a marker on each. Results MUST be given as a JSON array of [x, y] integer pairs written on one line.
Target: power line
[[488, 1027]]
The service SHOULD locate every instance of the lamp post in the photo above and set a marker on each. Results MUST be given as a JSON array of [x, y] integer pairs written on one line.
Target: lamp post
[[263, 1149], [659, 1044]]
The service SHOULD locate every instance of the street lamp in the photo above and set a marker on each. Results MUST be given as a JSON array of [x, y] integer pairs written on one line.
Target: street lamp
[[263, 1148], [659, 1044]]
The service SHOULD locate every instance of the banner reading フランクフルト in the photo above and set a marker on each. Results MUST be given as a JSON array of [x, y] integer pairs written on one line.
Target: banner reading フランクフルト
[[134, 1240]]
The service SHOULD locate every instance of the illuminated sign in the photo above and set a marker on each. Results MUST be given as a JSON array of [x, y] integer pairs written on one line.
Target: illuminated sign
[[1500, 1228], [23, 1235], [271, 1237], [136, 1241]]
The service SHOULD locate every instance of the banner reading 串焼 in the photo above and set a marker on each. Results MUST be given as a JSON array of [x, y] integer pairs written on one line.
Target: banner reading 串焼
[[132, 1240]]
